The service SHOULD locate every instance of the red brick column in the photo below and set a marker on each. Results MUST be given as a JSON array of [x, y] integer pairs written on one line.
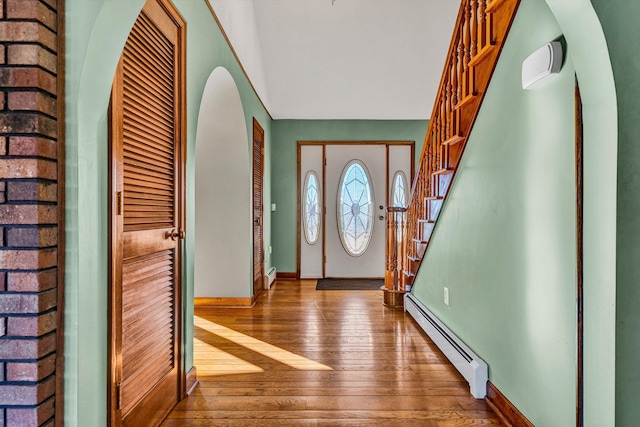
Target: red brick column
[[29, 213]]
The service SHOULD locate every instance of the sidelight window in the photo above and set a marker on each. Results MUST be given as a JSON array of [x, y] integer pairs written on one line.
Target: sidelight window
[[311, 214], [399, 190]]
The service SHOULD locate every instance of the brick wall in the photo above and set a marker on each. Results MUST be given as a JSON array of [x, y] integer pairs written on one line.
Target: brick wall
[[29, 212]]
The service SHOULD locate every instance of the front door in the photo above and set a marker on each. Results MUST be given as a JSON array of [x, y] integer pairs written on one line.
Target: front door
[[355, 214], [147, 217]]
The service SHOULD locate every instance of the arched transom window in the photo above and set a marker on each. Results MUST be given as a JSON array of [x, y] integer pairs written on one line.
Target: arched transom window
[[355, 208]]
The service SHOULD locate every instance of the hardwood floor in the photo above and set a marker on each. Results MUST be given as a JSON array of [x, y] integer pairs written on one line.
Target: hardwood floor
[[303, 357]]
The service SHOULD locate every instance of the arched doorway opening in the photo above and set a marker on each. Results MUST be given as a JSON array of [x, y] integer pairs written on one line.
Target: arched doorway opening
[[222, 194]]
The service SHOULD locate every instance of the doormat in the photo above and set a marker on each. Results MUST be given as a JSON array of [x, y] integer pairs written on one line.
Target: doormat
[[349, 284]]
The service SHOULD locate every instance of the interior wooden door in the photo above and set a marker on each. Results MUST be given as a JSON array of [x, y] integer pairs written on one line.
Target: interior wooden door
[[147, 217], [258, 208]]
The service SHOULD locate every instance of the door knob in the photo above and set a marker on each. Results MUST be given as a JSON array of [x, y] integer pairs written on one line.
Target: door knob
[[174, 234]]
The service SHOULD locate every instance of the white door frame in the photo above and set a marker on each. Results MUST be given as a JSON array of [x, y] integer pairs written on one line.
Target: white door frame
[[323, 183]]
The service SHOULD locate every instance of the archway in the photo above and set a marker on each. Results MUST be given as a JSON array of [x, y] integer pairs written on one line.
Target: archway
[[586, 40], [222, 193]]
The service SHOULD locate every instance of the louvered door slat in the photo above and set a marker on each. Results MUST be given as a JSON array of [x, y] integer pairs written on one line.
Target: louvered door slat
[[140, 154], [141, 46], [150, 109], [160, 80], [145, 266], [151, 101], [144, 138], [149, 29], [146, 338], [151, 93], [134, 160], [153, 85], [138, 192], [150, 169], [147, 178], [162, 76], [143, 147], [148, 105], [135, 163], [153, 130], [147, 287], [155, 121]]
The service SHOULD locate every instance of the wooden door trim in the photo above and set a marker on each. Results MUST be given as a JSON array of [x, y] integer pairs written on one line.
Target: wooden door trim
[[324, 144], [260, 129], [298, 209], [579, 253], [114, 298], [115, 270], [61, 169]]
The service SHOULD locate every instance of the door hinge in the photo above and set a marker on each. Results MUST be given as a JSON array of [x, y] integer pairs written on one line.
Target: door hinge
[[119, 203], [119, 396]]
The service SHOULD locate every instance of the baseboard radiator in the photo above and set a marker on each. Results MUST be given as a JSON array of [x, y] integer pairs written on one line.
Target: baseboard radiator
[[269, 278], [472, 368]]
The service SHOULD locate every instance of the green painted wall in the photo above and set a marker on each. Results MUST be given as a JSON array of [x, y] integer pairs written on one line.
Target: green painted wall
[[286, 134], [96, 33], [620, 24], [504, 244]]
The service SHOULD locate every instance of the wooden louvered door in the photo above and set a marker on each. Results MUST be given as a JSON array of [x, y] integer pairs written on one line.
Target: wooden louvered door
[[258, 236], [147, 217]]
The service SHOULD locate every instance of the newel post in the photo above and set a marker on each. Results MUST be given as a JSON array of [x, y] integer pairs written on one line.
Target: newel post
[[394, 288]]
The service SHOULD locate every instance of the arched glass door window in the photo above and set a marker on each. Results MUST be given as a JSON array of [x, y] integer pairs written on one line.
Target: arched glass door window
[[311, 213], [399, 190], [355, 208]]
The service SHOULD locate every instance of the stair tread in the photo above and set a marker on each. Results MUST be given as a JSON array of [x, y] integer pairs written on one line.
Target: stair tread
[[414, 258], [427, 221], [420, 240], [443, 171], [454, 140], [434, 198], [465, 100], [408, 273]]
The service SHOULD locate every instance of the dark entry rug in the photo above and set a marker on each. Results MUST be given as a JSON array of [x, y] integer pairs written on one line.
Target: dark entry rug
[[349, 284]]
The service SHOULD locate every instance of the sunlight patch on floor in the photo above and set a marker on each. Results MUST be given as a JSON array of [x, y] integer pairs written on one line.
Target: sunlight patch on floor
[[268, 350], [231, 364]]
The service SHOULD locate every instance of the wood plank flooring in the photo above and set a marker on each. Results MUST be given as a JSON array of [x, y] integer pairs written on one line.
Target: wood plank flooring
[[303, 357]]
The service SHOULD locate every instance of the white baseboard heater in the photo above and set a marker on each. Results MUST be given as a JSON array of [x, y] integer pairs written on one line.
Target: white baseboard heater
[[472, 368], [269, 278]]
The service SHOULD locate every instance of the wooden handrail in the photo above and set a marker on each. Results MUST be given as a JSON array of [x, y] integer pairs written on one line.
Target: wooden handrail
[[479, 34]]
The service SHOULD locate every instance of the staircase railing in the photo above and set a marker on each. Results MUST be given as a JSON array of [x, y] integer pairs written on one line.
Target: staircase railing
[[479, 34]]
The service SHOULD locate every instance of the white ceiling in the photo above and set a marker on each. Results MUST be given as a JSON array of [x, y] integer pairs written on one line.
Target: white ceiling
[[342, 59]]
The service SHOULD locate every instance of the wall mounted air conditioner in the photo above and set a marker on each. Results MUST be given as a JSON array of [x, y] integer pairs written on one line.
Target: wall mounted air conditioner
[[541, 64]]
